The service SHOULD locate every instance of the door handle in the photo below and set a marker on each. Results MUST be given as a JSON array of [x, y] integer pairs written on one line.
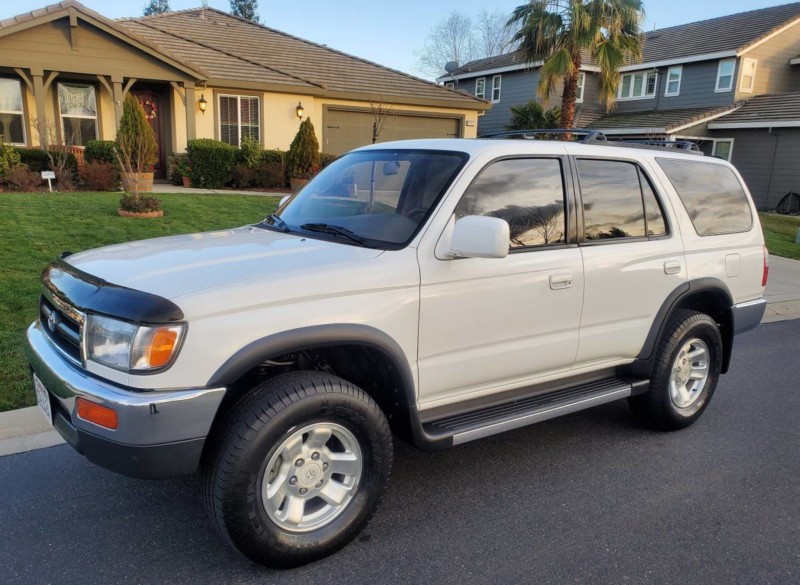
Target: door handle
[[672, 267], [560, 281]]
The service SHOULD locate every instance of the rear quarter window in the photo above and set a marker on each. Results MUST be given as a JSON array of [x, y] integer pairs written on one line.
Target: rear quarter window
[[712, 195]]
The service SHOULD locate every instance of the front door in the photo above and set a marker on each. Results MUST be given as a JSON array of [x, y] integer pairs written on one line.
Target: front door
[[151, 102], [500, 323]]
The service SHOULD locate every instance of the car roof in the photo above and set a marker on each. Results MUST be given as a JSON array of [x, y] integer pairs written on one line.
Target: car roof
[[505, 147]]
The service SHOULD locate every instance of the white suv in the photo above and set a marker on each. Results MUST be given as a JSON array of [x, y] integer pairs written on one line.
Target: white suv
[[436, 290]]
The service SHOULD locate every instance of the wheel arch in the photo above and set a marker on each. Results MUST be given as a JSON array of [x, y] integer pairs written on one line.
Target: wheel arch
[[361, 354], [706, 295]]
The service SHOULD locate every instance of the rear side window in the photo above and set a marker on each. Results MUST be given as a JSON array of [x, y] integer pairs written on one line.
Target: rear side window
[[711, 194], [612, 200], [528, 193]]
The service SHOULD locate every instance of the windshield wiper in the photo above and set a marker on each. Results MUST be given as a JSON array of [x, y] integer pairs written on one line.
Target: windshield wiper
[[277, 222], [336, 230]]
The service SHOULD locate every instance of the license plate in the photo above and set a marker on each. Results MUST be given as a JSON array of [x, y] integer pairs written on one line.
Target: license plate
[[43, 399]]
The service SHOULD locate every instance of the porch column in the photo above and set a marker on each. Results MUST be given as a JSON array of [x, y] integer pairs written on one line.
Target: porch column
[[191, 113], [40, 86]]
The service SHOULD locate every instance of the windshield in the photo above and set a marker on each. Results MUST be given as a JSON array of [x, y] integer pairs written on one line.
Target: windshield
[[374, 198]]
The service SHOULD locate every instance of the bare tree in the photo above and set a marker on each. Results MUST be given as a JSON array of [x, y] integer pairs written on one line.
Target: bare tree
[[452, 39], [57, 152], [493, 36], [381, 115]]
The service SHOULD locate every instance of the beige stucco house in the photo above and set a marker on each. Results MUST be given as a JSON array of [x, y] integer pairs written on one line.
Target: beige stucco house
[[203, 73]]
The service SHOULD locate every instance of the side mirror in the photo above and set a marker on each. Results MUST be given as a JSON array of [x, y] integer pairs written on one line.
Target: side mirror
[[284, 199], [479, 236]]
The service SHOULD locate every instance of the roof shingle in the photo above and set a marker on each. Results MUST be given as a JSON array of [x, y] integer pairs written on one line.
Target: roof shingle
[[765, 109]]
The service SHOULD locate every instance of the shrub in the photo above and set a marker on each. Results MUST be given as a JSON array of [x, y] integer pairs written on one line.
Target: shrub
[[139, 204], [37, 160], [244, 176], [101, 151], [211, 162], [249, 154], [65, 178], [302, 160], [271, 175], [273, 156], [24, 179], [9, 159], [178, 167], [99, 176], [325, 159]]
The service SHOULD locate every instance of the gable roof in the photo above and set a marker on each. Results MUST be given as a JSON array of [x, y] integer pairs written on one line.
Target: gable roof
[[714, 38], [658, 121], [69, 8], [232, 48], [763, 111]]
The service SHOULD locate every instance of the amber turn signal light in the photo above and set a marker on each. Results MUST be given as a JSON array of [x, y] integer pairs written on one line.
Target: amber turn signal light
[[94, 413], [162, 346]]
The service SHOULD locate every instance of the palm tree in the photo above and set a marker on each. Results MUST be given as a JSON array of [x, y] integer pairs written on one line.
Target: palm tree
[[533, 115], [559, 33]]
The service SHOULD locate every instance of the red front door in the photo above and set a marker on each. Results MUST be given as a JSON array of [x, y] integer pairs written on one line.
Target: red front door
[[152, 102]]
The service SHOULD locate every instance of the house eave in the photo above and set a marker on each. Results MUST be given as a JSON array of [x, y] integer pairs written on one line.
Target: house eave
[[506, 69], [679, 61], [750, 125]]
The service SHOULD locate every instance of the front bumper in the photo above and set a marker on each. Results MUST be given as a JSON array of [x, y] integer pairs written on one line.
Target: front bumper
[[160, 433]]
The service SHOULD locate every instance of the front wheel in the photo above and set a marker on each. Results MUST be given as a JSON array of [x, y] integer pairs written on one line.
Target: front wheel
[[686, 372], [300, 466]]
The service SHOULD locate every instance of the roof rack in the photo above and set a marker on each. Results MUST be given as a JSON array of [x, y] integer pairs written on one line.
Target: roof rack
[[580, 134], [677, 144], [596, 136]]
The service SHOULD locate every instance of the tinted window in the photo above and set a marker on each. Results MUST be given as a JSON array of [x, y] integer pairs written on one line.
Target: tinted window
[[654, 217], [527, 193], [712, 195], [612, 199]]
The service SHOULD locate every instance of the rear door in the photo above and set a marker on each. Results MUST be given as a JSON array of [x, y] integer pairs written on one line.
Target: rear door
[[632, 254]]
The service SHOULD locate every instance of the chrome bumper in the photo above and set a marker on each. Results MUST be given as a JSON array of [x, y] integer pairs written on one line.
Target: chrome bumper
[[160, 433], [747, 316]]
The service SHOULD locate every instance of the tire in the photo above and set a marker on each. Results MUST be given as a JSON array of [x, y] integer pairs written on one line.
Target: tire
[[680, 387], [272, 446]]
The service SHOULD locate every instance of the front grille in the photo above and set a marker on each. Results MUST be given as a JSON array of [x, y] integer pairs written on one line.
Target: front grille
[[62, 325]]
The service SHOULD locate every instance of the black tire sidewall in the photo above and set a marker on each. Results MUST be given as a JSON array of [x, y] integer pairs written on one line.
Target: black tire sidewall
[[685, 325], [245, 519]]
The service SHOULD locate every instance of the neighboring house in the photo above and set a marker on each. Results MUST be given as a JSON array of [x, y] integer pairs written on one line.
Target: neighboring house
[[727, 83], [203, 73]]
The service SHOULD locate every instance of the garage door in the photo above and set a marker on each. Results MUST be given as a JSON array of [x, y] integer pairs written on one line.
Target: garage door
[[345, 130]]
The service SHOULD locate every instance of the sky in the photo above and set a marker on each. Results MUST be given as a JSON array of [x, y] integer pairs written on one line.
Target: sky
[[389, 33]]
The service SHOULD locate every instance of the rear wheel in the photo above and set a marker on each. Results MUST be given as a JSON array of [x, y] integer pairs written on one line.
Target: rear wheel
[[686, 372], [299, 467]]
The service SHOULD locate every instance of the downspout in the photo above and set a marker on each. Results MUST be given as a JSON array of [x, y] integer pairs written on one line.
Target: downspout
[[771, 166]]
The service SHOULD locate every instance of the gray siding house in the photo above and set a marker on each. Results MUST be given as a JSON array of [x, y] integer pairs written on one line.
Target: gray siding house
[[731, 84]]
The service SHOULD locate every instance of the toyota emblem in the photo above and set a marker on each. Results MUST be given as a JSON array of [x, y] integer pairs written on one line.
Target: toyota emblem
[[52, 321]]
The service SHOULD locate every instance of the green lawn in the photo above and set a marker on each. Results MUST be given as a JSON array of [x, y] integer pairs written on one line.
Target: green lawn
[[37, 227], [780, 232]]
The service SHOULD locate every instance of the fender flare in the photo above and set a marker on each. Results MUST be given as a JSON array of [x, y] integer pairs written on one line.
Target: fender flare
[[316, 336]]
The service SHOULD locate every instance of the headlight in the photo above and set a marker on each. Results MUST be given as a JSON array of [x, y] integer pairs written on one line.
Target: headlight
[[127, 347]]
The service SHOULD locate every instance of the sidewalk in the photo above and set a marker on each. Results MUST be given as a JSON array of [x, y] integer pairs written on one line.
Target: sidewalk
[[170, 188], [26, 429], [783, 290]]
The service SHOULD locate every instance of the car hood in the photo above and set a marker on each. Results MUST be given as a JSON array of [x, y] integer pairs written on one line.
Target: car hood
[[179, 265]]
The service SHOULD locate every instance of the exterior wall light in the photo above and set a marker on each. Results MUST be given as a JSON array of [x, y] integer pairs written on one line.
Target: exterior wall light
[[300, 110], [203, 103]]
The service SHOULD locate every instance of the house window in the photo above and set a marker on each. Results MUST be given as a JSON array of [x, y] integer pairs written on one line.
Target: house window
[[12, 124], [239, 118], [78, 107], [496, 80], [748, 75], [636, 86], [450, 85], [723, 149], [674, 75], [480, 88], [581, 84], [725, 74]]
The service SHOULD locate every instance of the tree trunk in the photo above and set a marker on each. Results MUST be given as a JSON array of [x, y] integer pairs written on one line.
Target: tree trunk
[[570, 95]]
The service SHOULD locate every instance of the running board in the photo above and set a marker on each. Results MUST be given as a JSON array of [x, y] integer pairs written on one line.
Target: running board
[[525, 411]]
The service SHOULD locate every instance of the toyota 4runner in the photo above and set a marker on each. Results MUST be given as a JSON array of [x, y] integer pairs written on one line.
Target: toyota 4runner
[[439, 291]]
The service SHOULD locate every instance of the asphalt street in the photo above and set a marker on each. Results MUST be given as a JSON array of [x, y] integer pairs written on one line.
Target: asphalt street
[[589, 498]]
